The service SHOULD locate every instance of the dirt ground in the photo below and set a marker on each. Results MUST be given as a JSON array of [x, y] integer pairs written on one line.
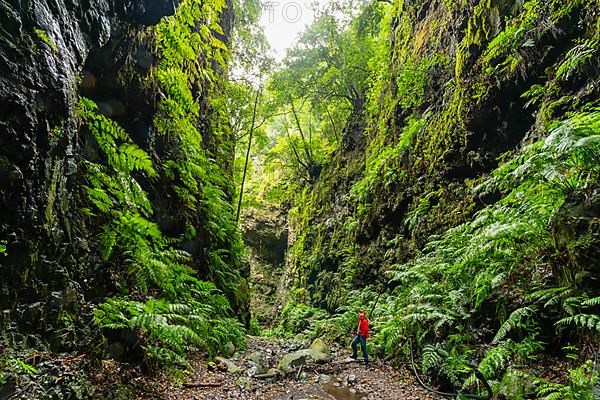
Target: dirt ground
[[335, 380]]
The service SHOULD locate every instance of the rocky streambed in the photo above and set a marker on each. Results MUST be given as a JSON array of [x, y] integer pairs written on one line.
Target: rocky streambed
[[274, 369]]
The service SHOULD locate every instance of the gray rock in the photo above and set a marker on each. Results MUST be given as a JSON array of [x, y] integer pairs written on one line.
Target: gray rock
[[229, 350], [299, 357], [225, 364], [319, 345], [293, 359], [318, 356]]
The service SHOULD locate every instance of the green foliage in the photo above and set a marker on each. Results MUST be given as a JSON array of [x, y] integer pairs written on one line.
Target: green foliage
[[20, 366], [298, 318], [576, 58], [43, 36], [515, 320], [475, 278], [192, 117], [460, 271], [322, 84], [412, 80], [383, 161], [451, 363], [502, 53], [579, 310], [590, 321], [423, 207], [174, 328], [582, 385], [3, 247], [122, 154], [178, 312]]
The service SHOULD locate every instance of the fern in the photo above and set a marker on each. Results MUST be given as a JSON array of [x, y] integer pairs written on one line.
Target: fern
[[589, 321], [591, 302], [122, 154], [495, 361], [516, 319], [575, 58], [582, 382], [99, 198], [131, 158], [164, 299], [432, 358], [550, 296]]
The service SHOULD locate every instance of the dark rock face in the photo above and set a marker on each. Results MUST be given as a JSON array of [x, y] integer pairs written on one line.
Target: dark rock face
[[266, 238], [269, 240], [50, 270]]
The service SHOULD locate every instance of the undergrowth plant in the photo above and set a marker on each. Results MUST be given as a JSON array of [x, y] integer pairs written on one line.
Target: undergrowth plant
[[159, 292], [471, 267], [193, 120]]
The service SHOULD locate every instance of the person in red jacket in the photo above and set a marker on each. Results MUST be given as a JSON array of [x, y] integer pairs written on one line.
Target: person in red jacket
[[362, 333]]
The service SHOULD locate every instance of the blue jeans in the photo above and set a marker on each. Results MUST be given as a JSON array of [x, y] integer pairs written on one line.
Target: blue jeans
[[363, 346]]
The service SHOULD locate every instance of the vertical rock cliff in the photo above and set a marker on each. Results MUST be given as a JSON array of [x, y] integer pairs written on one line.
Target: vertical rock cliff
[[55, 268], [468, 193]]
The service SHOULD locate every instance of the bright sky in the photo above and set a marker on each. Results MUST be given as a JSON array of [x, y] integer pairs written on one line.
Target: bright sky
[[283, 20]]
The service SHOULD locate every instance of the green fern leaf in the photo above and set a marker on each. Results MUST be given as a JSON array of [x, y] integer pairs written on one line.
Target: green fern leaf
[[515, 320]]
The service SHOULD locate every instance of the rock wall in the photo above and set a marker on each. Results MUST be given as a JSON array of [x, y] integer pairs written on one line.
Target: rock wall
[[52, 51], [457, 86], [266, 239]]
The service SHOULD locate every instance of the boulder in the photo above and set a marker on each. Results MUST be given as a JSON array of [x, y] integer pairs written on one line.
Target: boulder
[[225, 364], [319, 345], [229, 350], [299, 357], [257, 360], [293, 360]]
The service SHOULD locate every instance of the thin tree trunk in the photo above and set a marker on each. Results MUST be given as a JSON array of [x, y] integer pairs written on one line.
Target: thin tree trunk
[[239, 207], [304, 146], [335, 134]]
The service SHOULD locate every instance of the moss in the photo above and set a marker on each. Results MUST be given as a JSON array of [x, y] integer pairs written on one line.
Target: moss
[[43, 36], [446, 130], [57, 175], [500, 55], [483, 24], [398, 211], [563, 8]]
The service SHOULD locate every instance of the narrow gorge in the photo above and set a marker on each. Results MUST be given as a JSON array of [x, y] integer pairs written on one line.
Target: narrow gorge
[[187, 213]]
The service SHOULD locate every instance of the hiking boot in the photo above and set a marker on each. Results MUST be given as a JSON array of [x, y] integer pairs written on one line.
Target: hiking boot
[[353, 356]]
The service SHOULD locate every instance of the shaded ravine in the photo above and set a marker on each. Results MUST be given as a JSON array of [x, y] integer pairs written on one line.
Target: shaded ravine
[[333, 380]]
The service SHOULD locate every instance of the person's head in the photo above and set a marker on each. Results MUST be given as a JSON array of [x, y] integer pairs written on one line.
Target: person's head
[[362, 313]]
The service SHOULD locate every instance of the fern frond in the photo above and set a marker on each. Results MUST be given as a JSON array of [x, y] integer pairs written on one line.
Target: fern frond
[[431, 358], [515, 320], [495, 361], [131, 158], [589, 321], [591, 302]]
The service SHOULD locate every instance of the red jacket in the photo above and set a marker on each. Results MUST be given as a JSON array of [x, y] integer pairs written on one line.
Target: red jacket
[[363, 327]]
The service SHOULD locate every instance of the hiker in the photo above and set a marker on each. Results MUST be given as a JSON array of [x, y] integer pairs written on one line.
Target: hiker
[[362, 333]]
